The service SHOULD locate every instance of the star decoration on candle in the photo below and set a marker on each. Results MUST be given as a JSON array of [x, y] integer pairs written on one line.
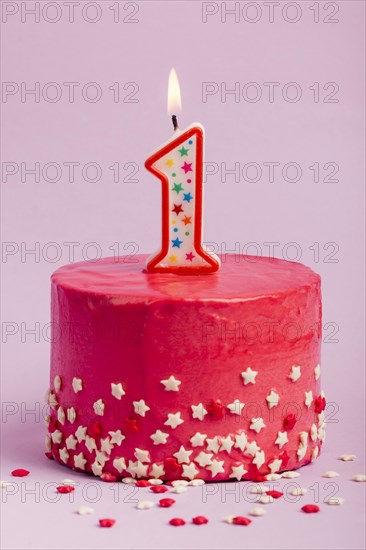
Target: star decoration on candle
[[187, 197], [187, 220], [176, 242], [178, 187], [187, 167], [189, 256], [183, 152], [170, 162], [177, 209]]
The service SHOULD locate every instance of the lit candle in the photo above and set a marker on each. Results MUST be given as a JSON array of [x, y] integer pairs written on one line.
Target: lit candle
[[179, 166]]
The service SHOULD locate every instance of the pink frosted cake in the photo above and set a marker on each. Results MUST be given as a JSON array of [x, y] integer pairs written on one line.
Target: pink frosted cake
[[179, 377]]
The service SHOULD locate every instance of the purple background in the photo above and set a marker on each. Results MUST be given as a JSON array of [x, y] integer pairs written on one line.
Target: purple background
[[104, 212]]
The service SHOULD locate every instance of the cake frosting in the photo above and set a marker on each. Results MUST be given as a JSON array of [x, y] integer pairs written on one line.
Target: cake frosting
[[180, 377]]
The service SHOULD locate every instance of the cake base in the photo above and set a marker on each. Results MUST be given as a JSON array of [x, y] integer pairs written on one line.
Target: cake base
[[173, 376]]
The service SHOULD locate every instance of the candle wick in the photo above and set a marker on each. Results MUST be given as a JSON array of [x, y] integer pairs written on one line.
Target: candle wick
[[175, 123]]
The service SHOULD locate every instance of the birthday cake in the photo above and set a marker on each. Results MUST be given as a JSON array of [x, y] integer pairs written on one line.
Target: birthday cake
[[170, 376]]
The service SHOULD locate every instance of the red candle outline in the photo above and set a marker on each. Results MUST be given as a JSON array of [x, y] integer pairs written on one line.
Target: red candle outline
[[152, 264]]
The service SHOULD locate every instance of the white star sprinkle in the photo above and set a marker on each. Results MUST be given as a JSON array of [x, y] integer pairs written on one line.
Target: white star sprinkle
[[171, 384], [226, 444], [237, 472], [57, 383], [120, 464], [189, 470], [198, 439], [216, 467], [347, 458], [56, 436], [48, 443], [299, 492], [335, 501], [240, 441], [97, 468], [117, 390], [330, 474], [98, 407], [159, 437], [137, 469], [157, 470], [213, 444], [198, 411], [84, 510], [71, 442], [257, 511], [275, 465], [77, 384], [317, 372], [182, 455], [79, 461], [203, 459], [313, 432], [252, 448], [308, 398], [64, 455], [71, 415], [61, 415], [90, 444], [290, 475], [272, 399], [314, 454], [101, 457], [117, 437], [266, 499], [144, 504], [259, 459], [257, 424], [173, 420], [106, 445], [359, 478], [52, 400], [81, 433], [249, 376], [236, 407], [142, 455], [140, 407], [295, 373], [282, 439]]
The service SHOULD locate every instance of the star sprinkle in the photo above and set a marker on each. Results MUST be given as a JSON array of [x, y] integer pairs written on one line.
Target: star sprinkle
[[142, 455], [272, 399], [299, 492], [117, 390], [57, 383], [79, 461], [61, 415], [106, 445], [216, 467], [183, 152], [282, 439], [226, 444], [84, 510], [144, 504], [308, 398], [198, 439], [178, 187], [97, 469], [98, 407], [187, 220], [347, 458], [317, 372], [257, 511], [137, 469], [176, 242], [64, 455], [290, 475], [213, 444], [240, 441], [189, 470], [236, 407], [259, 459], [252, 448], [140, 407], [177, 209], [71, 442], [81, 433], [157, 470], [90, 444], [182, 455], [159, 437], [119, 464], [117, 437], [249, 376], [71, 415], [190, 256], [335, 501], [56, 436], [187, 197], [295, 373], [310, 508], [238, 472], [52, 400], [198, 411], [257, 424], [330, 474], [360, 478], [275, 465], [266, 499], [173, 420], [204, 459], [77, 384], [171, 384]]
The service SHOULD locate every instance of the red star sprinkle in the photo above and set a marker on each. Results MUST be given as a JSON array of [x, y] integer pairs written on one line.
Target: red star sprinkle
[[158, 489], [177, 522], [310, 508], [48, 455], [107, 476], [274, 494], [199, 520], [319, 403], [190, 256], [94, 430], [241, 520], [107, 522], [177, 209], [65, 489], [131, 425], [171, 464], [166, 502], [142, 483], [20, 472], [289, 421], [215, 409], [284, 456]]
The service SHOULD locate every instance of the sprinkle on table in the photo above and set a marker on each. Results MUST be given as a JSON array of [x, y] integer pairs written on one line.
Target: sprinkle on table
[[310, 508], [199, 520], [20, 472], [166, 502], [177, 522], [241, 520], [107, 522], [65, 489]]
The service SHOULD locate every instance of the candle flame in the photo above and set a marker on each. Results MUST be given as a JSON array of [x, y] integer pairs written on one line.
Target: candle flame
[[174, 99]]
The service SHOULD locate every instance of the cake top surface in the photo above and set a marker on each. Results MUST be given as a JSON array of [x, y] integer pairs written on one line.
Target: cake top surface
[[240, 277]]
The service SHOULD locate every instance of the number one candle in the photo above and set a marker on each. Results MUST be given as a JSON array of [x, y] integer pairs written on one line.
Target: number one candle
[[179, 166]]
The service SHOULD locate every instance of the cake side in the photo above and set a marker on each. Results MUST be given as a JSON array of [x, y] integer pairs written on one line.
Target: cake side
[[183, 378]]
